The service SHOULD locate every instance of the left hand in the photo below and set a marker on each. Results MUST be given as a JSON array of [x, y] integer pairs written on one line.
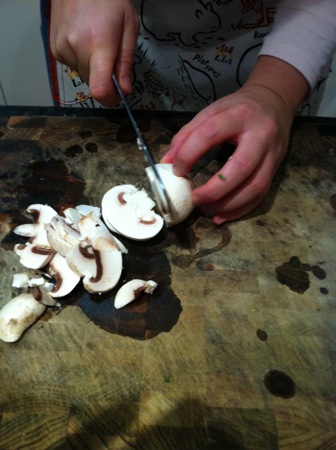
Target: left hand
[[257, 120]]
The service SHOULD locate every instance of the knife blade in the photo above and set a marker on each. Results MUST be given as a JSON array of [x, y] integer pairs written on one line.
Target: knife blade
[[162, 197]]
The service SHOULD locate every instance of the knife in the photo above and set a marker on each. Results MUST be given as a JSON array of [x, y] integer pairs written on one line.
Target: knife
[[159, 190]]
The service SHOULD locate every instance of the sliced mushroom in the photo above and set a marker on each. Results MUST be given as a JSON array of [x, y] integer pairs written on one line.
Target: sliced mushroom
[[25, 280], [97, 257], [42, 295], [65, 278], [37, 252], [21, 280], [61, 235], [129, 211], [18, 315], [179, 190], [84, 210], [72, 217], [133, 290]]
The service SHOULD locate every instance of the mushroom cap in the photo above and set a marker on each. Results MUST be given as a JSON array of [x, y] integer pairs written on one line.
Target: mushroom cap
[[179, 191], [131, 290], [19, 314], [129, 211]]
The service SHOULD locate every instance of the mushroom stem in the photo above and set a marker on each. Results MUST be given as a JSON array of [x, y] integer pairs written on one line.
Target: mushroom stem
[[18, 315]]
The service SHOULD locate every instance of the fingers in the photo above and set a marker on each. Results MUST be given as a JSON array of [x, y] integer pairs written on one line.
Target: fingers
[[115, 56], [220, 218], [247, 158], [124, 62], [101, 67], [246, 196], [194, 141], [97, 39]]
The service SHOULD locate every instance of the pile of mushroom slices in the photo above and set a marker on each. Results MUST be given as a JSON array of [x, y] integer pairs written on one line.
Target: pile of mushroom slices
[[63, 249]]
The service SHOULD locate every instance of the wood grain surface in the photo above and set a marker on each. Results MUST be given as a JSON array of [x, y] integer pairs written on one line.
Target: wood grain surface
[[235, 349]]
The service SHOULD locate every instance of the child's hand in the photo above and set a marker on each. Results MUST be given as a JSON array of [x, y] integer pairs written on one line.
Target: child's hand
[[96, 38], [257, 119]]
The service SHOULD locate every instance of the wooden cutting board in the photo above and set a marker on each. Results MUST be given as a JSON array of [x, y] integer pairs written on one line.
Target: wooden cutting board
[[235, 349]]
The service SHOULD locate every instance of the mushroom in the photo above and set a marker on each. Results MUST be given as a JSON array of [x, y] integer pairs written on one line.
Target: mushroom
[[178, 189], [132, 290], [97, 257], [20, 313], [61, 235], [86, 209], [21, 280], [65, 278], [128, 211], [25, 280], [37, 252]]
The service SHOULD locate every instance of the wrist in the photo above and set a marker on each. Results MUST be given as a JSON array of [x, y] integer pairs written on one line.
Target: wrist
[[282, 80]]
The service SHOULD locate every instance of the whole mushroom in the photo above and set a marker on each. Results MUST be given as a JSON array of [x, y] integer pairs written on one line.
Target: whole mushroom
[[179, 190]]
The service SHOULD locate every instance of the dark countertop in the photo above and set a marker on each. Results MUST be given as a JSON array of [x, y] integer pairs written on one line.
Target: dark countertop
[[236, 348]]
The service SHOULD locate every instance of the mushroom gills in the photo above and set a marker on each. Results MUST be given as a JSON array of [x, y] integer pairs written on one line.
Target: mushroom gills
[[129, 211], [37, 251]]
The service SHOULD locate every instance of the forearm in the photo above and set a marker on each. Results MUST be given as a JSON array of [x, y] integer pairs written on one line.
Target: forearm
[[303, 35]]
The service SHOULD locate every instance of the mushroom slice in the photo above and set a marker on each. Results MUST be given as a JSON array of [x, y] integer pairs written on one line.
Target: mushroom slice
[[132, 290], [21, 280], [65, 279], [86, 209], [42, 295], [72, 217], [97, 257], [37, 252], [26, 280], [61, 235], [179, 191], [129, 211], [18, 315]]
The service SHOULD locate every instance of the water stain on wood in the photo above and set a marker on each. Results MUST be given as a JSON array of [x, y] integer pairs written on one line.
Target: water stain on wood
[[332, 201], [73, 150], [262, 335], [185, 260], [91, 147], [147, 316], [294, 274], [85, 134], [49, 182], [279, 384], [319, 272]]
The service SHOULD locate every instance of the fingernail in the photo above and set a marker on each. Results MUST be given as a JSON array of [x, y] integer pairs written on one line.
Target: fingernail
[[178, 170], [218, 220], [166, 159]]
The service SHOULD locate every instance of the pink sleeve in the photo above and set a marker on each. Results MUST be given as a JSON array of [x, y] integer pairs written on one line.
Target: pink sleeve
[[303, 35]]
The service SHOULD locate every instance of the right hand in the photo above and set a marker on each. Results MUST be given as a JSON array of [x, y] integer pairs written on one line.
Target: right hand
[[96, 38]]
